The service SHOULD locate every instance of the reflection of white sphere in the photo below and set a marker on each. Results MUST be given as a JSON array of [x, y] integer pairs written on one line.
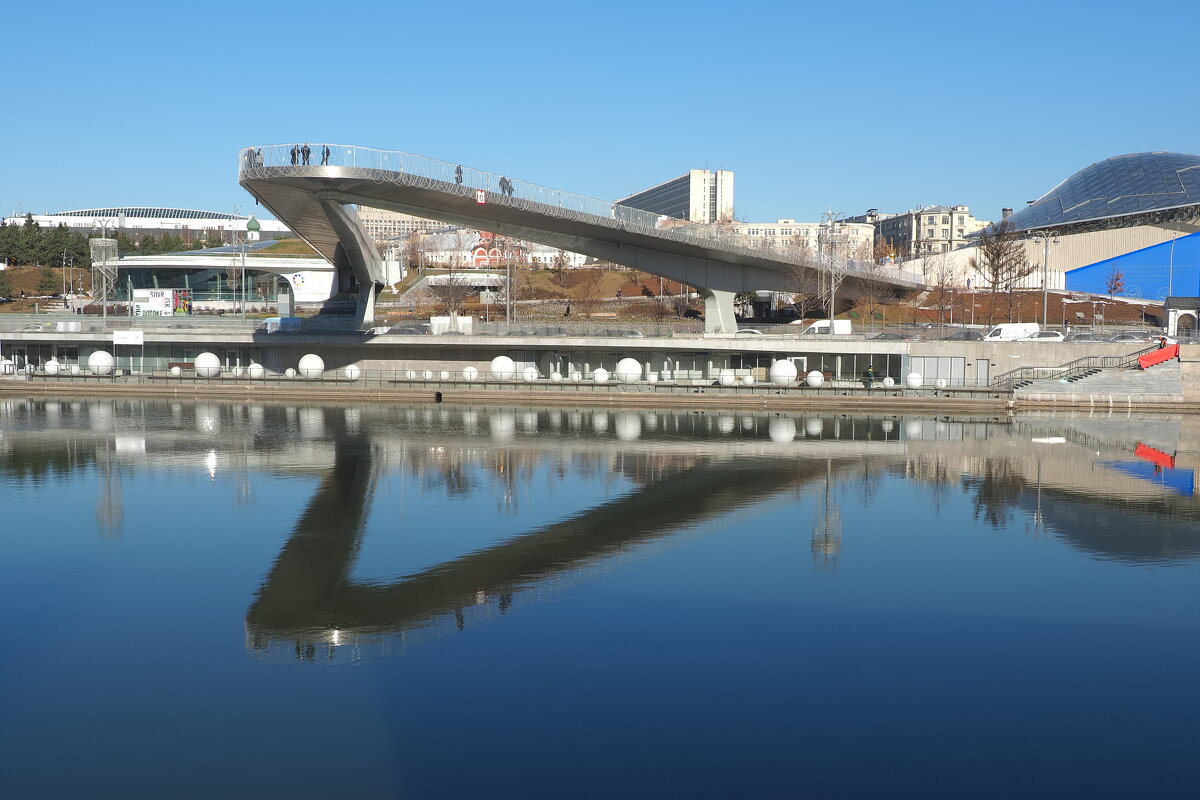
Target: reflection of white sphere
[[747, 380], [913, 381], [445, 375], [208, 417], [470, 374], [781, 429], [783, 372], [914, 429], [311, 366], [529, 422], [503, 424], [628, 370], [75, 369], [888, 426], [101, 362], [530, 374], [289, 373], [726, 377], [312, 423], [255, 370], [815, 379], [556, 377], [813, 426], [503, 368], [600, 422], [51, 367], [207, 365], [576, 375], [352, 372], [940, 383], [600, 375], [628, 425], [888, 382], [726, 423]]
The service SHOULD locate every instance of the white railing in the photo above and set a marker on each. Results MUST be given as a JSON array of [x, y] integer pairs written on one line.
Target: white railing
[[409, 169]]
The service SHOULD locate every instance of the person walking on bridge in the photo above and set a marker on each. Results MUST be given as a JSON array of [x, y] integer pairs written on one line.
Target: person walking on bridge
[[306, 152], [458, 174], [324, 155]]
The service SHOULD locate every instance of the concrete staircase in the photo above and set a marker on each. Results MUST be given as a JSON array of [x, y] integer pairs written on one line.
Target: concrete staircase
[[1159, 385]]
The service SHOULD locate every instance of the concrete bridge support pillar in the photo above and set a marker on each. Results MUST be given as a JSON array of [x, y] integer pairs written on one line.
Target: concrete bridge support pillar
[[718, 311]]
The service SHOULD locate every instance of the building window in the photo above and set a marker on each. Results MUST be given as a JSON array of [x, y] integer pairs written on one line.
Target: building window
[[930, 235], [960, 219], [945, 233], [945, 219]]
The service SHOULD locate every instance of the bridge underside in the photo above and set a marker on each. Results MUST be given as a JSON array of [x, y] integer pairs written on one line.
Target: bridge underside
[[311, 200]]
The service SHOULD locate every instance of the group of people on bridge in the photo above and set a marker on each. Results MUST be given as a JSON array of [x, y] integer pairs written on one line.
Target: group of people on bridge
[[302, 154]]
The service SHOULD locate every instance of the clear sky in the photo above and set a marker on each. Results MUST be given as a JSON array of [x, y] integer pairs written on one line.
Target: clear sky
[[844, 106]]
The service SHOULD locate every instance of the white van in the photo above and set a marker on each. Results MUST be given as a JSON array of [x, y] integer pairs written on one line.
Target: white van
[[841, 327], [1012, 331]]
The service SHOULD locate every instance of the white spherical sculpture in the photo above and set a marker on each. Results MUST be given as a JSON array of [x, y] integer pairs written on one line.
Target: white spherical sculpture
[[747, 380], [503, 368], [652, 377], [628, 370], [101, 362], [470, 374], [352, 372], [726, 377], [207, 365], [237, 372], [51, 367], [889, 382], [556, 377], [913, 380], [576, 376], [255, 370], [940, 383], [289, 373], [600, 375], [815, 379], [530, 374], [75, 369], [445, 375], [311, 366], [410, 375], [7, 367], [427, 374], [783, 372]]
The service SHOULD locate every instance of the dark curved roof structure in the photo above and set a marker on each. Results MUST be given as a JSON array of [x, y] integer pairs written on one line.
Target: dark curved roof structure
[[1132, 184]]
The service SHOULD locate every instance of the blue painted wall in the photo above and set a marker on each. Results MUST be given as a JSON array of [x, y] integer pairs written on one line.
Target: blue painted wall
[[1148, 272]]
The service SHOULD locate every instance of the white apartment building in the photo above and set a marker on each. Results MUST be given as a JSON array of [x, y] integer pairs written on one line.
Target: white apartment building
[[783, 234], [699, 196], [383, 226]]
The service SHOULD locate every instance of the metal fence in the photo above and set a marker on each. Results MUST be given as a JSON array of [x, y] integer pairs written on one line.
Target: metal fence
[[408, 169]]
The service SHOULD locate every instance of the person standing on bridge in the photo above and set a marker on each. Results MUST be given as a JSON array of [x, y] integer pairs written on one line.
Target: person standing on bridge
[[306, 152], [295, 153], [458, 174], [324, 155]]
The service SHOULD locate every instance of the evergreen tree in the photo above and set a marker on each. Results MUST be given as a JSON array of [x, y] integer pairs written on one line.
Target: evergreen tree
[[48, 282], [6, 289]]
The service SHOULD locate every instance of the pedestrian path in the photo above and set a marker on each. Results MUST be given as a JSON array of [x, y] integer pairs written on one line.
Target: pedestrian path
[[1160, 385]]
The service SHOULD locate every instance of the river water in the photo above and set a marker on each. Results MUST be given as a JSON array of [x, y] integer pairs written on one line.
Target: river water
[[287, 600]]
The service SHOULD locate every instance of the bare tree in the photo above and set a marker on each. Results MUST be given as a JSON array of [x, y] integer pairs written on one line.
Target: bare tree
[[941, 278], [1003, 264], [589, 294], [874, 292], [1114, 282], [450, 292]]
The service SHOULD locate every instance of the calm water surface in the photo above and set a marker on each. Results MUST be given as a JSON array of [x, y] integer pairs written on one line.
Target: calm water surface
[[210, 600]]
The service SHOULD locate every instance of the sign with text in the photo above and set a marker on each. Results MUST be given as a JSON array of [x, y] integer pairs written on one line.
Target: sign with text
[[153, 303], [480, 196], [128, 337]]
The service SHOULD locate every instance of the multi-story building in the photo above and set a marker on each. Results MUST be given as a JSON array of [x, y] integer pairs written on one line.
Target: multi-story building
[[933, 229], [188, 224], [383, 226], [699, 196], [857, 239]]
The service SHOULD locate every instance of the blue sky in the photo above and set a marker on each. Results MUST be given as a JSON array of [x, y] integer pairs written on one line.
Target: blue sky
[[840, 106]]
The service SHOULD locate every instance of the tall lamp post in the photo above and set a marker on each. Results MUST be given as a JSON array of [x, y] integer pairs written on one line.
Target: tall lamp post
[[1046, 238], [252, 226]]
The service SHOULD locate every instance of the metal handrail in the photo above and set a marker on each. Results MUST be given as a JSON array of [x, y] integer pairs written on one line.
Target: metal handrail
[[1008, 380], [408, 169]]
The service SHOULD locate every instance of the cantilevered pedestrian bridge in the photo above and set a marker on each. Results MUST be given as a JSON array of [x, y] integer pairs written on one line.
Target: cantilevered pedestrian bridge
[[314, 199]]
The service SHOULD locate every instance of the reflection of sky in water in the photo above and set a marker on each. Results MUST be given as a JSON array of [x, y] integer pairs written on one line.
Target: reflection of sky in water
[[591, 603]]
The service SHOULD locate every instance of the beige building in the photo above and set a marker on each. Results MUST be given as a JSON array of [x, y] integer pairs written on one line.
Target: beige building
[[383, 226], [933, 229], [782, 234], [699, 196]]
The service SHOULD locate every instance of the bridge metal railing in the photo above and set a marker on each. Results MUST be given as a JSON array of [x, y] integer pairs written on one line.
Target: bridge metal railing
[[408, 169], [1008, 381]]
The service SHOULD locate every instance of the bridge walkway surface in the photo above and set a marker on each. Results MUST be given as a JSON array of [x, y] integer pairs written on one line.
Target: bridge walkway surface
[[313, 199]]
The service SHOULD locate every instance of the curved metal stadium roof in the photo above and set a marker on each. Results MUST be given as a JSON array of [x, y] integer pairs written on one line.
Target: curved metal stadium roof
[[1131, 184]]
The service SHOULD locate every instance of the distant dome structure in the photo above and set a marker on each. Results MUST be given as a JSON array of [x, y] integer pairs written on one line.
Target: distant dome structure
[[1122, 186]]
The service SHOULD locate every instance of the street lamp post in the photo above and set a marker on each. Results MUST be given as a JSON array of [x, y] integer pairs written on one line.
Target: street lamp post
[[1046, 238]]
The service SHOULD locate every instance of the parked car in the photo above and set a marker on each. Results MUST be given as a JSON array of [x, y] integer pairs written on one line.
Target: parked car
[[1012, 331], [747, 332], [1046, 336], [1086, 337], [1133, 336], [965, 335], [891, 337]]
